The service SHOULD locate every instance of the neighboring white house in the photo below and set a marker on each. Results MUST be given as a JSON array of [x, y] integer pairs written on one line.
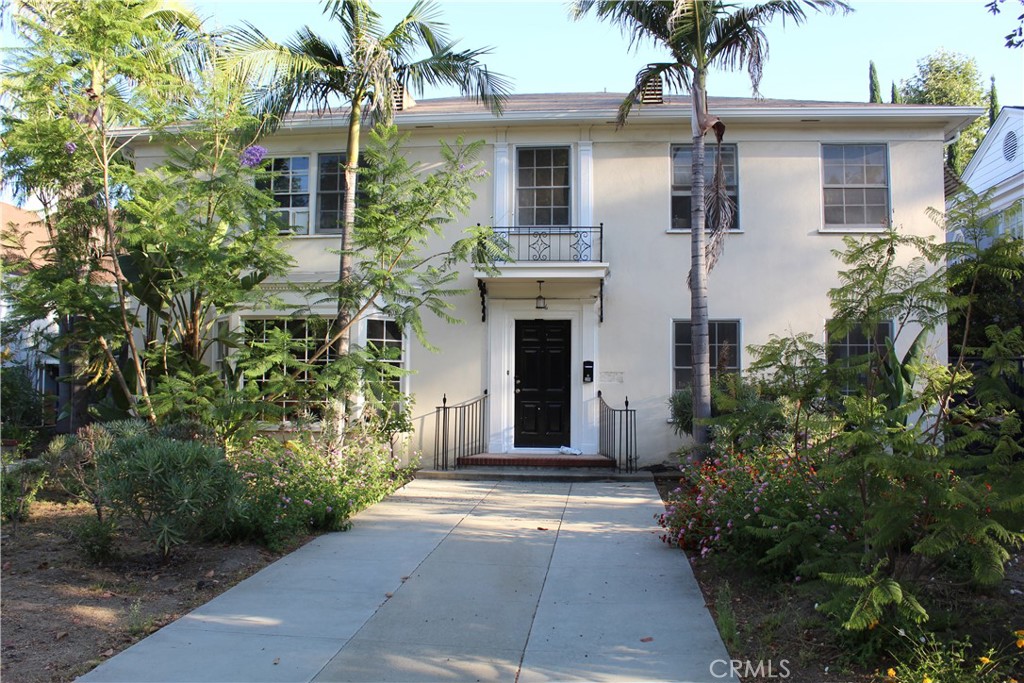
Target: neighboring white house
[[998, 166], [597, 218]]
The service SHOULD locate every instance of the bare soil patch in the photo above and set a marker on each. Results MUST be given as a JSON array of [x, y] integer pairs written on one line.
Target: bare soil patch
[[62, 615]]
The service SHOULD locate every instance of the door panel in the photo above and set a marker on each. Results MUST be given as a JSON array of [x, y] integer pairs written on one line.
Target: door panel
[[542, 388]]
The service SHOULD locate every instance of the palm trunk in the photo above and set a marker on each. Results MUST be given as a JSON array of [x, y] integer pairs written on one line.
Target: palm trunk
[[345, 260], [341, 406], [701, 360]]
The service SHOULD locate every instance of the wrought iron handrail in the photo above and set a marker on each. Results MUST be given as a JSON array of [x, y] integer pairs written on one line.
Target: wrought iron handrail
[[459, 430], [559, 243], [617, 434]]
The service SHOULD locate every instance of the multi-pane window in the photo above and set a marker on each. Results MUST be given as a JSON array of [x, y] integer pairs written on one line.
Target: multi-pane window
[[221, 349], [542, 186], [330, 193], [1011, 220], [384, 340], [855, 185], [853, 351], [723, 342], [682, 181], [856, 344], [289, 185], [305, 336]]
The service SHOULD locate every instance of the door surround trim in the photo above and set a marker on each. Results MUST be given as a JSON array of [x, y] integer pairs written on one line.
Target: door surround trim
[[583, 326]]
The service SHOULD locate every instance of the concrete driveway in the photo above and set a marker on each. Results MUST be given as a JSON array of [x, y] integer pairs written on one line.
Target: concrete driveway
[[514, 581]]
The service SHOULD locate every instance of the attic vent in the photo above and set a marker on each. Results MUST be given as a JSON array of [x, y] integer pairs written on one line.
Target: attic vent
[[652, 92], [1010, 146]]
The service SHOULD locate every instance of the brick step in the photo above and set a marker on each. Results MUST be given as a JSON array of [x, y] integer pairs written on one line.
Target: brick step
[[556, 460]]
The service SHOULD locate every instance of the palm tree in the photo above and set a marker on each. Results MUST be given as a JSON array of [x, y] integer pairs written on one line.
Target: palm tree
[[366, 73], [699, 35]]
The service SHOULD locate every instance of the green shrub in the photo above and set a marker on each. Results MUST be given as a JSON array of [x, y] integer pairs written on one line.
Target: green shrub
[[764, 508], [96, 538], [303, 486], [176, 491], [21, 404], [20, 482], [73, 461], [288, 489]]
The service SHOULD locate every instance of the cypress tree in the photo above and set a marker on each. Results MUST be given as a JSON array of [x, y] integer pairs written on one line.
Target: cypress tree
[[897, 98], [875, 89], [993, 102]]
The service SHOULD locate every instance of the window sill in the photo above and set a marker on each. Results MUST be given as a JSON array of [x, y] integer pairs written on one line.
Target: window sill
[[851, 230], [687, 231], [301, 236]]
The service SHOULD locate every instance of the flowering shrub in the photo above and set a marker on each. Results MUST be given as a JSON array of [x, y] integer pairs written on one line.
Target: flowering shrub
[[765, 507], [300, 486]]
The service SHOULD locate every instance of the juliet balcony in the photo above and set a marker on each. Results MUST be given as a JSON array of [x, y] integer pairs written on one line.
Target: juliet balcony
[[554, 244], [550, 262]]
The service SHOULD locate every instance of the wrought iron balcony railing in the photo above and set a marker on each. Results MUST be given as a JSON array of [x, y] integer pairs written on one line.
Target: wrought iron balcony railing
[[565, 243]]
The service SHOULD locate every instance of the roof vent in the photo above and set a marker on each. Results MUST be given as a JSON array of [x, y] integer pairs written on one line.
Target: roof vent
[[401, 99], [1010, 146], [652, 92]]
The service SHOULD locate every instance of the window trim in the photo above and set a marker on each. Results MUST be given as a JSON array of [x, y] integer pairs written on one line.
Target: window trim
[[571, 178], [711, 321], [738, 229], [244, 320], [316, 191], [313, 230], [289, 210], [403, 361], [855, 227]]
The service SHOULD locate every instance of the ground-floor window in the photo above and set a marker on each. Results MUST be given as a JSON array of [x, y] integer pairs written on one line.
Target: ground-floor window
[[384, 340], [854, 348], [290, 346], [724, 345]]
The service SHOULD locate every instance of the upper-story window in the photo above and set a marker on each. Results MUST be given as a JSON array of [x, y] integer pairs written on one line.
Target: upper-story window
[[855, 181], [543, 189], [330, 193], [290, 187], [682, 181], [303, 189]]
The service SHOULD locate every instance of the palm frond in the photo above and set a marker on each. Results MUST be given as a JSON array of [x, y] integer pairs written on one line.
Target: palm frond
[[721, 211]]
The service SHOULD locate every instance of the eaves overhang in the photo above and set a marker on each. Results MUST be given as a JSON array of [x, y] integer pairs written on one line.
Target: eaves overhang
[[602, 109]]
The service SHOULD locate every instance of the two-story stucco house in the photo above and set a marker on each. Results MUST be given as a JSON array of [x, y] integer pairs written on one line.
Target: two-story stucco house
[[593, 304]]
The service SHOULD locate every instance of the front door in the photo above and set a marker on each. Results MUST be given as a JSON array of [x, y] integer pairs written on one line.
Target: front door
[[542, 383]]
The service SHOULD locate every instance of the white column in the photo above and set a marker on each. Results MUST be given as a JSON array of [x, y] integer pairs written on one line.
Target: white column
[[502, 184], [585, 214]]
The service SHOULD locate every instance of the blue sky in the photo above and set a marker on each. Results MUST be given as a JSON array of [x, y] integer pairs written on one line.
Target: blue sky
[[536, 44]]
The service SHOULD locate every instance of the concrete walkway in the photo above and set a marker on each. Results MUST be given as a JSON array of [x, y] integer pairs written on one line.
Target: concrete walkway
[[457, 581]]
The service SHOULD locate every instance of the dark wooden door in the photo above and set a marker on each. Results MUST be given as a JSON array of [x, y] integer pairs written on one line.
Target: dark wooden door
[[542, 383]]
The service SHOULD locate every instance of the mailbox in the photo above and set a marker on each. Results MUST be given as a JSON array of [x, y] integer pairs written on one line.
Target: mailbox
[[588, 371]]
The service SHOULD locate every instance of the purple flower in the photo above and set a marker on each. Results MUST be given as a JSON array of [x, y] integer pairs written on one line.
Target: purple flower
[[252, 156], [70, 147]]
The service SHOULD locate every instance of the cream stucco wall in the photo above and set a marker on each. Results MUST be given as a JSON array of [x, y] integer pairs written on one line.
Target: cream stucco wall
[[773, 277]]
